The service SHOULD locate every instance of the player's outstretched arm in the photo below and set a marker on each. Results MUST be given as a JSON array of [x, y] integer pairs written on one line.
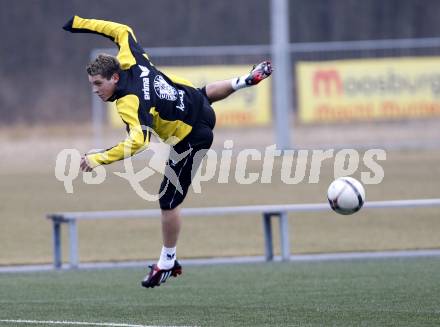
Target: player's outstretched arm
[[220, 90], [121, 34], [115, 31]]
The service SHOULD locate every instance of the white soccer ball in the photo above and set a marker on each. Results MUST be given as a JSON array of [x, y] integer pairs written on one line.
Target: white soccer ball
[[346, 195]]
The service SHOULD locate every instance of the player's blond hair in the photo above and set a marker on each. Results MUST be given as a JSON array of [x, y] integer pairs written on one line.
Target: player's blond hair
[[104, 65]]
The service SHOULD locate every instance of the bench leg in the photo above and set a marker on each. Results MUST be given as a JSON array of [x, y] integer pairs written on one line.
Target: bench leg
[[73, 239], [268, 241], [57, 261], [284, 236]]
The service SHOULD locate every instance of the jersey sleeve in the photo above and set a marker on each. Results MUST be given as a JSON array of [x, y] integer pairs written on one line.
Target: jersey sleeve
[[121, 34], [138, 134]]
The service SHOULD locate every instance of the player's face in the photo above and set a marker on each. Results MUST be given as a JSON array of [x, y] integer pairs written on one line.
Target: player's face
[[103, 87]]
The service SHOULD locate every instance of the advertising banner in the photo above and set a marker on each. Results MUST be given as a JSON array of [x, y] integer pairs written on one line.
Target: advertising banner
[[368, 89]]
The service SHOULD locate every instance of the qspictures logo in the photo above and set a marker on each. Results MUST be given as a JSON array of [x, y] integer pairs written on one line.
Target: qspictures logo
[[228, 166]]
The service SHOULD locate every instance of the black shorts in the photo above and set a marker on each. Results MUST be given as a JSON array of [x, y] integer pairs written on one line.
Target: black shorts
[[192, 148]]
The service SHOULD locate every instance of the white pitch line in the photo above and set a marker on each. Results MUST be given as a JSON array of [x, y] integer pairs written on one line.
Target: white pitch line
[[78, 323]]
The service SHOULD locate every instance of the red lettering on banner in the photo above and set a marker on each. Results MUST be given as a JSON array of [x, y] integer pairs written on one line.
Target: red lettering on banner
[[414, 109], [235, 118], [328, 112], [327, 78]]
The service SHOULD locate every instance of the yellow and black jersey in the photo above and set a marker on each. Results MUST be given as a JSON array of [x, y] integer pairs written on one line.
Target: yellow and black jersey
[[145, 97]]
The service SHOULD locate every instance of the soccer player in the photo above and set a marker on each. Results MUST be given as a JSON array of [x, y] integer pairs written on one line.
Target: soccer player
[[171, 106]]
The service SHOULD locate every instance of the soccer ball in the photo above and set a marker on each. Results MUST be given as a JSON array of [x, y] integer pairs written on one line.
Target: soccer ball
[[346, 195]]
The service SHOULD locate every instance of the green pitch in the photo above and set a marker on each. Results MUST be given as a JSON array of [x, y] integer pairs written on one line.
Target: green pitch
[[398, 292]]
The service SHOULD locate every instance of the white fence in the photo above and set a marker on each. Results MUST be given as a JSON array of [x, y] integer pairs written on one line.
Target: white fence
[[267, 212]]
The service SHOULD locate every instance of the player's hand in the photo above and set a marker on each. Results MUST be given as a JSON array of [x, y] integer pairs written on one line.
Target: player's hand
[[84, 164]]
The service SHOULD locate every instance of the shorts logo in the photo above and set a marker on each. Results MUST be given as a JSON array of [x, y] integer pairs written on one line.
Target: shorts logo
[[164, 90]]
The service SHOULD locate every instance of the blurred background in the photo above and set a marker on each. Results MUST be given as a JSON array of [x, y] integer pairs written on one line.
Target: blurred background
[[42, 66], [380, 73]]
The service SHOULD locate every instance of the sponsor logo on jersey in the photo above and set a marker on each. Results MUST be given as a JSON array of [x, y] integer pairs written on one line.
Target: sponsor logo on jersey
[[146, 88], [164, 90], [144, 71], [145, 81], [181, 105]]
